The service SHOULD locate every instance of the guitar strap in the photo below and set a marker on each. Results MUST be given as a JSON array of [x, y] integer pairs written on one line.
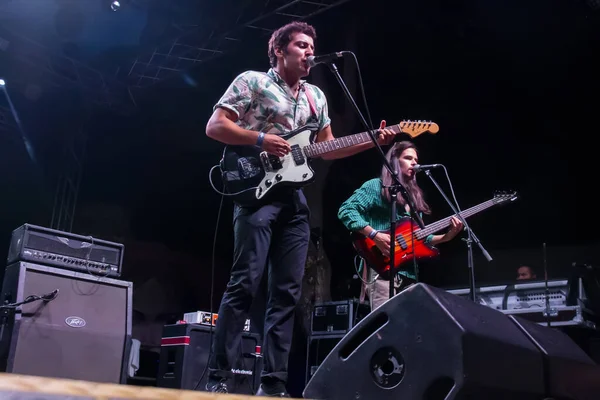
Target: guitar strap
[[311, 103]]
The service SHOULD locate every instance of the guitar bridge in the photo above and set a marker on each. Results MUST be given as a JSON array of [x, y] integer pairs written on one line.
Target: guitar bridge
[[270, 162], [266, 163]]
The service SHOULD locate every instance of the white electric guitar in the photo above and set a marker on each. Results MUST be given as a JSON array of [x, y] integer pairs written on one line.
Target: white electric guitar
[[250, 174]]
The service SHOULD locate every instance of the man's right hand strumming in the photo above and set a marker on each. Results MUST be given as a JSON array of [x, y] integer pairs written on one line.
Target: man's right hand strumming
[[276, 145], [222, 127]]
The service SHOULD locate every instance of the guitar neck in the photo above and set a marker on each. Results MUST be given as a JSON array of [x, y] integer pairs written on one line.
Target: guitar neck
[[444, 223], [317, 149]]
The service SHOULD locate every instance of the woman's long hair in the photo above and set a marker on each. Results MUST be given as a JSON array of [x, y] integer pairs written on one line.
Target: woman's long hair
[[413, 189]]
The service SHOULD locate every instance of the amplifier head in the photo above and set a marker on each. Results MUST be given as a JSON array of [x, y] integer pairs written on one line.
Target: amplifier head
[[65, 250]]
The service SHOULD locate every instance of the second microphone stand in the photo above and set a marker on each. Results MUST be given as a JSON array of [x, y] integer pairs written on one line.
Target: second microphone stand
[[393, 189], [471, 237]]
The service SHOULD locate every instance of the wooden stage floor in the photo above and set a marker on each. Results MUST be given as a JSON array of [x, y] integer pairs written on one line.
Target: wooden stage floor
[[25, 387]]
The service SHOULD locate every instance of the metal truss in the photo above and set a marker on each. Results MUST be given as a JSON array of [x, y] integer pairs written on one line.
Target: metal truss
[[58, 71], [198, 45], [69, 179]]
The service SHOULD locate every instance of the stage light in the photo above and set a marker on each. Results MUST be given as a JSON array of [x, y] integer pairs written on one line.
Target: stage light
[[115, 5], [2, 83]]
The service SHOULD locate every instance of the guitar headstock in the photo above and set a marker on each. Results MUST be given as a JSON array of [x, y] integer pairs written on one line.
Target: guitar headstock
[[415, 128], [504, 196]]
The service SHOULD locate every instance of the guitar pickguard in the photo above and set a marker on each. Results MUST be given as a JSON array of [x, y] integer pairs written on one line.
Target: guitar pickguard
[[292, 169]]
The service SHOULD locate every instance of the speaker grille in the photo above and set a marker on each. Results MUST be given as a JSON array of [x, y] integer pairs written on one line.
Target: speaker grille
[[82, 334]]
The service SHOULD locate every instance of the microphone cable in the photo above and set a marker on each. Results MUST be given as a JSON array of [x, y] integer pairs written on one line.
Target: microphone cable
[[212, 287], [34, 297]]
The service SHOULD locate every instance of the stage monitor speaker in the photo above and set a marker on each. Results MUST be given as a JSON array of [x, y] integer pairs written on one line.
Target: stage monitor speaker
[[569, 372], [426, 343], [184, 355], [83, 333]]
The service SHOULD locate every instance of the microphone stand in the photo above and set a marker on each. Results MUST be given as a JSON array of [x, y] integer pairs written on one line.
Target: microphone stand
[[393, 189], [548, 311], [470, 238]]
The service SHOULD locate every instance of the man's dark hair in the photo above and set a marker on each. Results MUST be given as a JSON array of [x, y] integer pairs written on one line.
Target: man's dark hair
[[282, 37]]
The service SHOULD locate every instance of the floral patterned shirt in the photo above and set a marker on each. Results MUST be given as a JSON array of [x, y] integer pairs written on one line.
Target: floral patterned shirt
[[264, 102]]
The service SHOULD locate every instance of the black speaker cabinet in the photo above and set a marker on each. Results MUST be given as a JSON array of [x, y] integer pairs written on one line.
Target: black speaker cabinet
[[426, 343], [319, 346], [83, 333], [569, 372], [184, 355]]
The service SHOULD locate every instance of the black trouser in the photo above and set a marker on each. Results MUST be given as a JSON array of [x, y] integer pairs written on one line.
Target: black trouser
[[276, 234]]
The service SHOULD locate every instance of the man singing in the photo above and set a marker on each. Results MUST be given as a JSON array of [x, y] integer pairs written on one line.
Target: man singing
[[255, 110]]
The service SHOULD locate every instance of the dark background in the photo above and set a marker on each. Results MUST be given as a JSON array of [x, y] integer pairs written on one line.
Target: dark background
[[512, 85]]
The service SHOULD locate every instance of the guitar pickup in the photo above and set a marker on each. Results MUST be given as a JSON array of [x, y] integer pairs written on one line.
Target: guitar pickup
[[275, 162], [297, 155], [402, 242]]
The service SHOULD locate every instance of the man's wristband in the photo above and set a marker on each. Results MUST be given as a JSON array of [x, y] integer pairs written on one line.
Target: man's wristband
[[373, 233], [261, 138]]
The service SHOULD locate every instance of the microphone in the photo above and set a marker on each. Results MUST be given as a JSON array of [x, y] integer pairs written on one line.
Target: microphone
[[419, 168], [50, 296], [326, 58]]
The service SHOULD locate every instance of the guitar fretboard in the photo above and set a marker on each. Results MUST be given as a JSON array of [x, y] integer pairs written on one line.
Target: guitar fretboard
[[413, 128], [443, 223], [317, 149]]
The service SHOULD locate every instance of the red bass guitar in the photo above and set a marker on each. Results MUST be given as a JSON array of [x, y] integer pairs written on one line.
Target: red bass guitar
[[368, 250]]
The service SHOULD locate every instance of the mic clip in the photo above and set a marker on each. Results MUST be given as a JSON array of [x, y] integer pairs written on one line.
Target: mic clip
[[50, 296]]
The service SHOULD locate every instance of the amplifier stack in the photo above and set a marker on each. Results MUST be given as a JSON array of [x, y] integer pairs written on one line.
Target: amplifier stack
[[62, 308]]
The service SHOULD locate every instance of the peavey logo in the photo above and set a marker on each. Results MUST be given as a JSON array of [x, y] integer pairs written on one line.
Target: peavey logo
[[241, 371], [75, 322]]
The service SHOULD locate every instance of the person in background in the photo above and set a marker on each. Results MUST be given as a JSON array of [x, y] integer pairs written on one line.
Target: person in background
[[525, 273]]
